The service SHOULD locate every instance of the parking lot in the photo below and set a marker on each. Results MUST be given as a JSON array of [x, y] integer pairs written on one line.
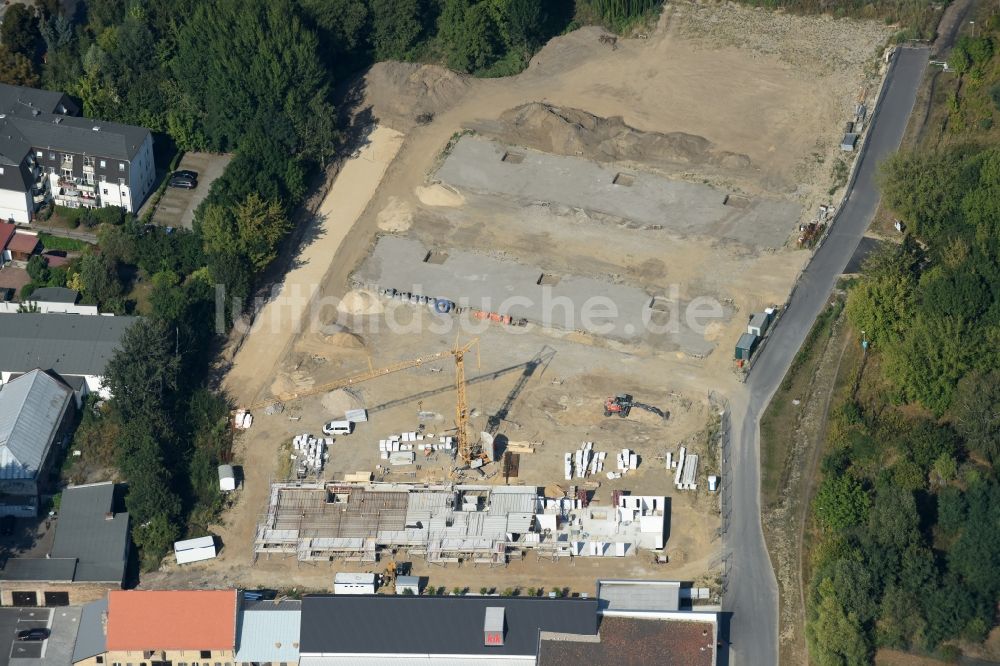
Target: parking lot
[[13, 620], [177, 206]]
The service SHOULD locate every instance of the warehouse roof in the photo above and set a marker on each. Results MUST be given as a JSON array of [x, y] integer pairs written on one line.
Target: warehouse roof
[[67, 343], [636, 642], [355, 624], [639, 595], [269, 632], [31, 411], [171, 620], [90, 637], [91, 530], [39, 569]]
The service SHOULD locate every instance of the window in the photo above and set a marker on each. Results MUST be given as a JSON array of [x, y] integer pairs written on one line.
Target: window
[[99, 658], [52, 156], [206, 654], [67, 173], [104, 164], [1, 171], [38, 154], [121, 166], [103, 179], [67, 159], [121, 182], [105, 190]]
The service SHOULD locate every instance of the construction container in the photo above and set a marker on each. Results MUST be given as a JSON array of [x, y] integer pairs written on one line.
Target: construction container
[[746, 346]]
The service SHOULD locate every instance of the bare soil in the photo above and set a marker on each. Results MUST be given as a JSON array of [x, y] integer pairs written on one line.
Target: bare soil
[[739, 98]]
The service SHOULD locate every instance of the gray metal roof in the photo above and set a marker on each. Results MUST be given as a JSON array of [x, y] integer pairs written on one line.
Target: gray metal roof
[[72, 134], [639, 595], [54, 295], [84, 531], [760, 320], [31, 410], [91, 639], [39, 569], [70, 344], [409, 625], [746, 341], [268, 634]]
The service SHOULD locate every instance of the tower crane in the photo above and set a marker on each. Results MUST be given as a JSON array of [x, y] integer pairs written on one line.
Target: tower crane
[[465, 447]]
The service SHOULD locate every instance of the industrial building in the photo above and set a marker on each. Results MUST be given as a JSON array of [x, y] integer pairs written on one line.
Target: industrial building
[[502, 631], [451, 523]]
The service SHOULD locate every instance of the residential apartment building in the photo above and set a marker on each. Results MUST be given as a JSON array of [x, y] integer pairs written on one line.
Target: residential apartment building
[[48, 152]]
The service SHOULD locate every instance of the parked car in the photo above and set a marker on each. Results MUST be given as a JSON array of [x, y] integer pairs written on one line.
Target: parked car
[[338, 428], [7, 524], [186, 173], [183, 183], [36, 634]]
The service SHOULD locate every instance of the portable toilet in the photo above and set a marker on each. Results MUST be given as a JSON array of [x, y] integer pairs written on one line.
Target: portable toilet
[[227, 478], [746, 346]]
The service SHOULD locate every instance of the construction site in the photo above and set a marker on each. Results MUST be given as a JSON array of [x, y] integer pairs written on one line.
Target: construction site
[[523, 297]]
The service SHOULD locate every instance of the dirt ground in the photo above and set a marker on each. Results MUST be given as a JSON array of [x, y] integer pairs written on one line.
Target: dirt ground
[[759, 118]]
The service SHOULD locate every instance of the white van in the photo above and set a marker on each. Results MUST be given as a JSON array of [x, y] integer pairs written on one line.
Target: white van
[[338, 428]]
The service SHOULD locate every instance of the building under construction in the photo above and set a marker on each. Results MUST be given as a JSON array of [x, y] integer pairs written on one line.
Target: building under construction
[[451, 523]]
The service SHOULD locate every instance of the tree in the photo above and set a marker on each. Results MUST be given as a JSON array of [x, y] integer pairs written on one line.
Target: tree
[[976, 413], [882, 303], [396, 28], [840, 503], [19, 31], [38, 269], [260, 227], [99, 280], [16, 69], [894, 517], [143, 370], [519, 22], [835, 635], [235, 86], [471, 36]]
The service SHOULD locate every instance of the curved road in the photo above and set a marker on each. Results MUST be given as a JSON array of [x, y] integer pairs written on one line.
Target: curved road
[[751, 592]]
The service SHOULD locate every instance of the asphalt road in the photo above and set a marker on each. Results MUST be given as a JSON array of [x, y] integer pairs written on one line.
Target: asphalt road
[[751, 593]]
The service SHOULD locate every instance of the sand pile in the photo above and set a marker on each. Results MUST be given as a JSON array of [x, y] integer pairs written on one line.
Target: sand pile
[[403, 94], [359, 302], [439, 195], [339, 401], [566, 131], [396, 217]]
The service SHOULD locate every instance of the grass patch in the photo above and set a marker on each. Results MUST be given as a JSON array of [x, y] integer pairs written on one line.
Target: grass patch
[[50, 242], [777, 426], [840, 172]]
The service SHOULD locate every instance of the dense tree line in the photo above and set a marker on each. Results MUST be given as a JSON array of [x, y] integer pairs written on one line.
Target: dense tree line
[[908, 509]]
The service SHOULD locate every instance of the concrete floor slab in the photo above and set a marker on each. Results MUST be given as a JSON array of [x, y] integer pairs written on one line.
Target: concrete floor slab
[[678, 206], [566, 302]]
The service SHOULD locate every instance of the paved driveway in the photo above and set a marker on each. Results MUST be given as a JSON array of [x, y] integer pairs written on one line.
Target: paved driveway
[[177, 206], [752, 593], [13, 620]]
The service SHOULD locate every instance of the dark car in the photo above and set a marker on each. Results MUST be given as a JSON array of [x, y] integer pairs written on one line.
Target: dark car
[[183, 183], [7, 524], [36, 634], [186, 173]]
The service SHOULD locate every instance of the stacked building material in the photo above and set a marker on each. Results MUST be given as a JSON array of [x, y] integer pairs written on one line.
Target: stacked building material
[[310, 452]]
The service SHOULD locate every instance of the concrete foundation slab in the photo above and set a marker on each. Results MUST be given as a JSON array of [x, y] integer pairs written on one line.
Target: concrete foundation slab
[[678, 206]]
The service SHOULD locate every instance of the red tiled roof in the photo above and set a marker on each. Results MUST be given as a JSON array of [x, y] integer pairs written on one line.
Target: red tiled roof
[[25, 243], [6, 231], [171, 620], [626, 641]]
